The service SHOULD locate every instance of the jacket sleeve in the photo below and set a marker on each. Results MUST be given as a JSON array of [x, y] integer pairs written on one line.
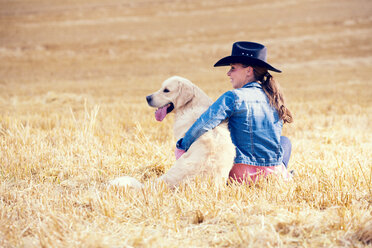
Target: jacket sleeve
[[220, 110]]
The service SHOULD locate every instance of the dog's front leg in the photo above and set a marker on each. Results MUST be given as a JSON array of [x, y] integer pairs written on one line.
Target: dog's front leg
[[186, 167], [126, 181]]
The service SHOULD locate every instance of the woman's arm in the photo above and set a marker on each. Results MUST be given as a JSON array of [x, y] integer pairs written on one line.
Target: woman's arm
[[212, 117]]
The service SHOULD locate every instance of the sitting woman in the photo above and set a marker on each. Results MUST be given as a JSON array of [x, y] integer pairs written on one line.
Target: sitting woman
[[255, 111]]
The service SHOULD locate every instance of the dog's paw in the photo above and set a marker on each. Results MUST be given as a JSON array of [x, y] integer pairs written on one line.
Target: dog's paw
[[126, 181]]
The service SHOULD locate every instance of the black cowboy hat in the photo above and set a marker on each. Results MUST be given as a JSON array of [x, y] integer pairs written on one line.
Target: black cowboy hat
[[247, 53]]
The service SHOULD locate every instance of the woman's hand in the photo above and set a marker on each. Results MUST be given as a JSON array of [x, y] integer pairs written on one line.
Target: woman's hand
[[178, 153]]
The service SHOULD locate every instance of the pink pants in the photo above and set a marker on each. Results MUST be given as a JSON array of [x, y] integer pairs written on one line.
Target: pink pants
[[250, 173]]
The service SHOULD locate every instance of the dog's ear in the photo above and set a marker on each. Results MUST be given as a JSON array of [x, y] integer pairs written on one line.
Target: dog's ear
[[185, 94]]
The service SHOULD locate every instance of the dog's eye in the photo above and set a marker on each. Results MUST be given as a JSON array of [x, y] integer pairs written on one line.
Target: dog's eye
[[165, 90]]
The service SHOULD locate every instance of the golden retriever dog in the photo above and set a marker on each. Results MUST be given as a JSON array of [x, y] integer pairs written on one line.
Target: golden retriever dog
[[211, 155]]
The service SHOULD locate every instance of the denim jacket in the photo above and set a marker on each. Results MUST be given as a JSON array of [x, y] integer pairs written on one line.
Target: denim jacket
[[255, 126]]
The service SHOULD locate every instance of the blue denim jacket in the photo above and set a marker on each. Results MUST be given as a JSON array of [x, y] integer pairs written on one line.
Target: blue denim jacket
[[255, 126]]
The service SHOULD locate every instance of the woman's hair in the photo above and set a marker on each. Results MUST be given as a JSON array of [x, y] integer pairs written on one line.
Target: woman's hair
[[273, 92]]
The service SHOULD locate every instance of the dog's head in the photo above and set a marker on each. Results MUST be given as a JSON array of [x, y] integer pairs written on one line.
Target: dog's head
[[175, 93]]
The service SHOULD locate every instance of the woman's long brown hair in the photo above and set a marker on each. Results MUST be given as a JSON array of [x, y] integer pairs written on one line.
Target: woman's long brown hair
[[273, 92]]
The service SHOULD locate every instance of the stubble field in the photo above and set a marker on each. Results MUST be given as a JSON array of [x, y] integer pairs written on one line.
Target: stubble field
[[73, 115]]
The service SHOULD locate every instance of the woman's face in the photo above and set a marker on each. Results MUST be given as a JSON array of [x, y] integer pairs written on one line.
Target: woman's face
[[240, 75]]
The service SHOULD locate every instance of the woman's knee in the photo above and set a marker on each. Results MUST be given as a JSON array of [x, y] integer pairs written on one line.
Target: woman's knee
[[287, 149], [285, 141]]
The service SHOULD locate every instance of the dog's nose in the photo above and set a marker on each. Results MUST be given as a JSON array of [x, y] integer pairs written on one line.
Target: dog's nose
[[149, 98]]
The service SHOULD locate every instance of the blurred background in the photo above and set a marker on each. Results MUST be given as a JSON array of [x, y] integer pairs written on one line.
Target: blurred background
[[119, 40]]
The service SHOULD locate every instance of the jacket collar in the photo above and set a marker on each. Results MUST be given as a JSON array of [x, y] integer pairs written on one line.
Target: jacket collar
[[252, 84]]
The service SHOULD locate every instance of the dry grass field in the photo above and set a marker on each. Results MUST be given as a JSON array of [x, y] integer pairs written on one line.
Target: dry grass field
[[73, 79]]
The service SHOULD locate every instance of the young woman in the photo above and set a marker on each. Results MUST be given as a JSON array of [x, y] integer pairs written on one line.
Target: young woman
[[255, 111]]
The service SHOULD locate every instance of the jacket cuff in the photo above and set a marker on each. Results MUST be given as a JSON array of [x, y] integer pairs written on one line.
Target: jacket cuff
[[179, 145]]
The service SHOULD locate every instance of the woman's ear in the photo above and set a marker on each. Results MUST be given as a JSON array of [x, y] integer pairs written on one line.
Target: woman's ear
[[250, 70], [250, 73]]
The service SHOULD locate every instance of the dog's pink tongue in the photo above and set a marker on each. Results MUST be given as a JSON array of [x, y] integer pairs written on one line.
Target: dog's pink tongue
[[161, 113]]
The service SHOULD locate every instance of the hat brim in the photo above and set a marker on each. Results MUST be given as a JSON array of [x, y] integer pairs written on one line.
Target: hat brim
[[226, 61]]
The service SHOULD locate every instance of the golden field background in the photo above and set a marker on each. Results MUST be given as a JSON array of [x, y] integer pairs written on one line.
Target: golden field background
[[73, 115]]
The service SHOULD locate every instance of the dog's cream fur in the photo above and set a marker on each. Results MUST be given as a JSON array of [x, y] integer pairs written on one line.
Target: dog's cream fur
[[211, 155]]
